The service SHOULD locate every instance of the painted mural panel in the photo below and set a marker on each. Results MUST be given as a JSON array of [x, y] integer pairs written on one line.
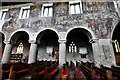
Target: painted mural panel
[[100, 22], [35, 10], [61, 9]]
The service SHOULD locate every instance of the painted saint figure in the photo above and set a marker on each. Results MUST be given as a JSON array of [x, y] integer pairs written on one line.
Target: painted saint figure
[[108, 24]]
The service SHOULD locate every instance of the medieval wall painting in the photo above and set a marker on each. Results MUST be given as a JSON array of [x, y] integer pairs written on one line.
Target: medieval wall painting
[[101, 23]]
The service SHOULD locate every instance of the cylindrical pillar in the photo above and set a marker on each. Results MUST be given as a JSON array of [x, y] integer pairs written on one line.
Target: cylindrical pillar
[[62, 52], [6, 53], [32, 52]]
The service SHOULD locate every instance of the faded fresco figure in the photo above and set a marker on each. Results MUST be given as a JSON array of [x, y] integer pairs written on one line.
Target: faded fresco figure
[[108, 24], [92, 24]]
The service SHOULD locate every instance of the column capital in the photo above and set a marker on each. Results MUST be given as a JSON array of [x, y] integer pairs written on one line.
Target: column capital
[[34, 41], [62, 41], [93, 40], [7, 42]]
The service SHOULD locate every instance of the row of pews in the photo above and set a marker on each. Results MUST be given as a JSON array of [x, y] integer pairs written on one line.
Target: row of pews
[[49, 70], [37, 71], [103, 73], [88, 71], [14, 70]]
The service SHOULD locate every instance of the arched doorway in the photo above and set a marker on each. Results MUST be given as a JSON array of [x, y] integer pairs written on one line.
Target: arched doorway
[[116, 44], [78, 45], [20, 48], [2, 45], [48, 47]]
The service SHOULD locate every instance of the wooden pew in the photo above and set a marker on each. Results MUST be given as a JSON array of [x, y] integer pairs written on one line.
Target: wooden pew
[[51, 71], [89, 73], [115, 72], [86, 71], [101, 72], [78, 75], [18, 71], [37, 70], [89, 65], [40, 72], [105, 74], [6, 69]]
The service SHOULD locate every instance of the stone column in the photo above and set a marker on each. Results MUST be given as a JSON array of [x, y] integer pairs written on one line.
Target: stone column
[[6, 53], [62, 52], [96, 52], [32, 52]]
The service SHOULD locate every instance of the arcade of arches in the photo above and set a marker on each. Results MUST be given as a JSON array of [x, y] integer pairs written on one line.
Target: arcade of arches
[[77, 44]]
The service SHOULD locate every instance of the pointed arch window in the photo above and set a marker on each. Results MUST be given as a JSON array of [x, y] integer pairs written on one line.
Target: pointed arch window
[[20, 49], [17, 56], [117, 47], [72, 48]]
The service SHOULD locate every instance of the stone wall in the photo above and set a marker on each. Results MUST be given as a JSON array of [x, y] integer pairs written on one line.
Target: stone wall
[[101, 23]]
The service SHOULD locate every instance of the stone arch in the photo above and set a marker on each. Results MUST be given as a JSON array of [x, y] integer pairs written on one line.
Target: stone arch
[[48, 46], [47, 29], [115, 36], [113, 30], [18, 31], [78, 46], [20, 37], [90, 34]]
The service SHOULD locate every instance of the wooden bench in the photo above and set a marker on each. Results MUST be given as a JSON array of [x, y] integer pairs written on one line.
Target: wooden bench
[[78, 75], [37, 72], [115, 72], [51, 71], [89, 73], [18, 71], [6, 69], [104, 74], [86, 71]]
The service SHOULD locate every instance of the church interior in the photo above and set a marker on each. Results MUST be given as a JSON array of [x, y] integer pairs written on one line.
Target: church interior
[[60, 40]]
